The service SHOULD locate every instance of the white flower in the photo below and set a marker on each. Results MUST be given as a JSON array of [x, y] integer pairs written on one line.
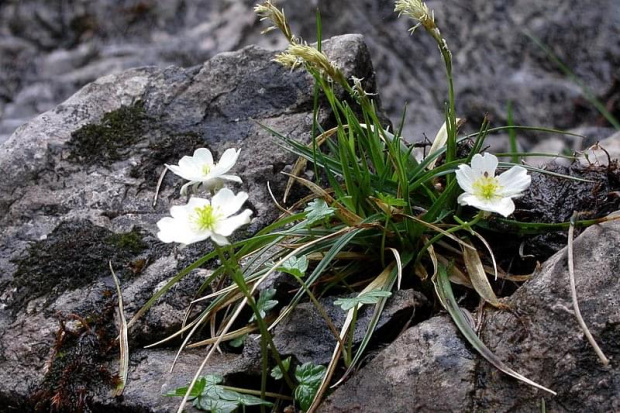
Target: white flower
[[200, 169], [487, 192], [201, 219]]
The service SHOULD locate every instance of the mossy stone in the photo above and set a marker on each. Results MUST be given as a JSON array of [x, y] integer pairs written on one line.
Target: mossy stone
[[74, 255], [108, 141]]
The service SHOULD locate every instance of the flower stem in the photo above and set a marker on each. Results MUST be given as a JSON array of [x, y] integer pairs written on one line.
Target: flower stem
[[462, 225], [232, 266]]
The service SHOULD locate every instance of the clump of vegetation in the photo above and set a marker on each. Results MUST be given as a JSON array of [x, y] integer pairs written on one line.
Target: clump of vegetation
[[107, 142], [382, 219]]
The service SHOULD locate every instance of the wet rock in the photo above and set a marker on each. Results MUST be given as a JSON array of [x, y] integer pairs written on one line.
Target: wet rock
[[77, 192], [430, 368], [494, 61], [305, 334]]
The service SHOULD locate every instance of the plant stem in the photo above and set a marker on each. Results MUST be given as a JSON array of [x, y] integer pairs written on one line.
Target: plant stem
[[463, 225], [237, 277]]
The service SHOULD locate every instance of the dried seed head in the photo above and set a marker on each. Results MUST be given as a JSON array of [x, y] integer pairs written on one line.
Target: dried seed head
[[267, 11], [417, 10], [317, 59]]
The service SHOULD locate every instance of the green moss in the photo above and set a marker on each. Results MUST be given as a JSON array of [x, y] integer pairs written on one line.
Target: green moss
[[108, 141], [73, 255], [130, 241]]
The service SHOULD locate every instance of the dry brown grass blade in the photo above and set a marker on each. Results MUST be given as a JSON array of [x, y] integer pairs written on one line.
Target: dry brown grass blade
[[455, 275], [347, 216], [478, 277], [399, 263], [505, 276], [227, 337], [159, 182], [437, 229], [302, 162], [488, 247], [377, 283], [344, 255], [123, 340], [573, 290]]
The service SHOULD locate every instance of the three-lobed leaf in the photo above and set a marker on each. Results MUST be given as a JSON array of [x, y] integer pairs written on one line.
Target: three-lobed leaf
[[318, 210], [370, 297], [208, 395], [265, 302], [309, 377], [276, 373], [295, 266]]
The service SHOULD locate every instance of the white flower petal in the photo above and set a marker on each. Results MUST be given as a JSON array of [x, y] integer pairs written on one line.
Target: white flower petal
[[167, 227], [227, 161], [200, 168], [227, 202], [514, 181], [232, 178], [219, 239], [504, 206], [227, 226], [196, 202], [466, 177], [203, 156], [484, 163]]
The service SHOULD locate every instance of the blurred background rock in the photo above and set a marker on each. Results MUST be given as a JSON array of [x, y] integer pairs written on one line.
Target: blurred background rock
[[51, 48]]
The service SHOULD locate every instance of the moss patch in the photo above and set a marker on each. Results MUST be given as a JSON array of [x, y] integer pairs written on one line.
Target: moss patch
[[165, 149], [73, 255], [110, 140], [85, 343]]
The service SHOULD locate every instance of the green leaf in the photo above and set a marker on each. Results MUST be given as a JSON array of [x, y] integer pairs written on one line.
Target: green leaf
[[318, 210], [276, 373], [265, 302], [295, 266], [215, 406], [196, 390], [391, 200], [370, 297], [237, 342], [210, 396], [249, 400], [309, 377]]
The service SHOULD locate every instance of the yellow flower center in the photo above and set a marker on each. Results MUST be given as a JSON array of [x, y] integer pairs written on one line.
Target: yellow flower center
[[206, 169], [486, 187], [205, 218]]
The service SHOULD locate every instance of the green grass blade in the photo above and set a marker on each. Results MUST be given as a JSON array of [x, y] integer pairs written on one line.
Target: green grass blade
[[512, 135]]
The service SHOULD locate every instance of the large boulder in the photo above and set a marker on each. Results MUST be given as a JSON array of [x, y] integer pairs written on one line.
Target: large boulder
[[69, 44], [77, 192], [432, 368]]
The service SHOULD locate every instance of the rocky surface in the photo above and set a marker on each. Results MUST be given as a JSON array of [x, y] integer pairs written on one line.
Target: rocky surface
[[50, 49], [79, 183], [306, 336], [431, 368]]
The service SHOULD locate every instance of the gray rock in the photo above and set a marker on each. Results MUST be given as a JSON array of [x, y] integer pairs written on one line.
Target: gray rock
[[430, 368], [427, 369], [494, 61], [77, 191], [305, 334]]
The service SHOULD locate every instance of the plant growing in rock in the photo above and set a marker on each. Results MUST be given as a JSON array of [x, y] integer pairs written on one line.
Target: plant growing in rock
[[376, 218]]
